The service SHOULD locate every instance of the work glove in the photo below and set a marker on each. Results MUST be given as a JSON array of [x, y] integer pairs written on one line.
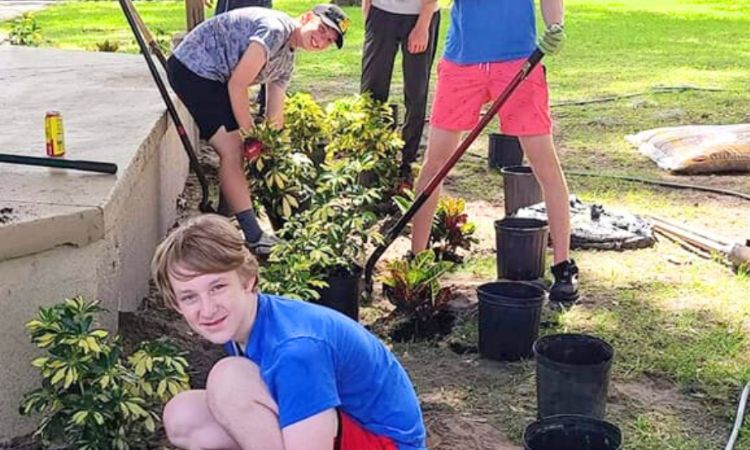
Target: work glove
[[251, 148], [552, 41]]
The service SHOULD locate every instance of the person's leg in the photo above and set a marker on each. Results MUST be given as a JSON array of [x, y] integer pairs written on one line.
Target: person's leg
[[190, 425], [378, 53], [416, 70], [540, 151], [440, 145], [236, 190], [239, 401], [459, 95], [526, 114]]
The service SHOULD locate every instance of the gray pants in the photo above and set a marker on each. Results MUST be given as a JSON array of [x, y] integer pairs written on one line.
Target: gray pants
[[223, 6], [384, 33]]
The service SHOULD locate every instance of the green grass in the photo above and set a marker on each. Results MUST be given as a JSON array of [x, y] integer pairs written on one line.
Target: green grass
[[674, 319]]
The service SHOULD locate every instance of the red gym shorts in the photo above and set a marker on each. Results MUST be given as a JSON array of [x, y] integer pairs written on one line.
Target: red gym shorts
[[462, 90], [352, 436]]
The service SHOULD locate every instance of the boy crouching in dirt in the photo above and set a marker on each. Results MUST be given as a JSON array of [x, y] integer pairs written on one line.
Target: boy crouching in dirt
[[299, 376]]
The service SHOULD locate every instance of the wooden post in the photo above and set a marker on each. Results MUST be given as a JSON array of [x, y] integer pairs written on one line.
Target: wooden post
[[195, 14]]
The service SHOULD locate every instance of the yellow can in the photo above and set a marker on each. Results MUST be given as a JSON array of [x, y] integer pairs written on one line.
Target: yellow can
[[53, 130]]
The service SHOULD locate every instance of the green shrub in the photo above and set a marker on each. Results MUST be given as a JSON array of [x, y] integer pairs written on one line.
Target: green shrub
[[25, 30], [90, 399], [108, 46]]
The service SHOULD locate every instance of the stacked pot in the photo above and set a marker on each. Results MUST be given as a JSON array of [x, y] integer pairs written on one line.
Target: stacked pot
[[572, 370]]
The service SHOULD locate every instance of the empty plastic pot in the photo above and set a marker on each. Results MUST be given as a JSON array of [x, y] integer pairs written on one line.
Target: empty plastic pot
[[572, 375], [521, 248], [571, 432], [509, 313], [504, 151], [520, 188]]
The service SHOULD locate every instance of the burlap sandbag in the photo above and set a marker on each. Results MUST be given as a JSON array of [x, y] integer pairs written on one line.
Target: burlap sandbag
[[697, 148]]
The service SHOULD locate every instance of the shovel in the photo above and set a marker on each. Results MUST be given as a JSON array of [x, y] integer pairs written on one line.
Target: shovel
[[393, 233], [139, 30]]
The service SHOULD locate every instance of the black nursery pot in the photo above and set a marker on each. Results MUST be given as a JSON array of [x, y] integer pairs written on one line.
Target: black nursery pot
[[571, 432], [342, 294], [318, 155], [521, 248], [572, 375], [504, 151], [509, 314], [520, 188]]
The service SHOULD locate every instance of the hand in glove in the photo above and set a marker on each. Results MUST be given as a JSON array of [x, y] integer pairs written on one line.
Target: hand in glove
[[552, 41], [251, 149]]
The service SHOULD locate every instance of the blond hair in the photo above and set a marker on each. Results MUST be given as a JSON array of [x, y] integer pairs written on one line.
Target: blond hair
[[204, 244]]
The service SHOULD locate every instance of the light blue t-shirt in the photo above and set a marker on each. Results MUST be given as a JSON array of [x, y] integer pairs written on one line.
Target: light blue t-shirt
[[213, 49], [490, 30], [313, 358]]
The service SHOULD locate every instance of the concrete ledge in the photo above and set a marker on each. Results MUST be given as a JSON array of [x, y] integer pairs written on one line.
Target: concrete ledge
[[65, 233]]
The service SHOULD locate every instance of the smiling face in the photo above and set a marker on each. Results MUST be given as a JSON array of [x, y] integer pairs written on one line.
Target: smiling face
[[220, 307], [315, 35]]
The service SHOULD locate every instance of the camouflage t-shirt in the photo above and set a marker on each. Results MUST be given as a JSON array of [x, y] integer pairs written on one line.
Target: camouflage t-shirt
[[213, 49]]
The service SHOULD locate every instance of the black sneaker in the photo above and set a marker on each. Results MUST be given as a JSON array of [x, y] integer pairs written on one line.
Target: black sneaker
[[565, 287], [262, 247]]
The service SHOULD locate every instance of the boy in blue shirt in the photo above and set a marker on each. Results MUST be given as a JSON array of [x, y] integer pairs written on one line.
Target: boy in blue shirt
[[299, 376], [487, 43]]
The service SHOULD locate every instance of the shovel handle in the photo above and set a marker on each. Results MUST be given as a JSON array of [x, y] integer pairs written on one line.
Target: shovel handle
[[86, 166]]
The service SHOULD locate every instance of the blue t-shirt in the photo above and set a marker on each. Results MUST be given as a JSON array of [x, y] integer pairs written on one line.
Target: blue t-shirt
[[313, 358], [490, 30]]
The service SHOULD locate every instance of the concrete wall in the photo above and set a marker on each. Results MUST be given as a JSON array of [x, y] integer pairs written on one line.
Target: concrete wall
[[113, 268]]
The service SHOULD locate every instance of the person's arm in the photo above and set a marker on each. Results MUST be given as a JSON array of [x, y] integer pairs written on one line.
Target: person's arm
[[314, 433], [552, 12], [366, 4], [419, 36], [275, 96], [243, 75], [554, 36]]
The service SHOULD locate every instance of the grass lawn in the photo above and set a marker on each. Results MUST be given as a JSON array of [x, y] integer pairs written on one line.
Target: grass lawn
[[680, 324]]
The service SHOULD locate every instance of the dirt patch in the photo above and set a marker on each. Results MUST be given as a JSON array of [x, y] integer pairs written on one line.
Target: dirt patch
[[464, 432]]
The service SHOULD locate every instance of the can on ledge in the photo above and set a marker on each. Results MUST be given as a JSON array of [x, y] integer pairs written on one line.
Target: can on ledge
[[53, 130]]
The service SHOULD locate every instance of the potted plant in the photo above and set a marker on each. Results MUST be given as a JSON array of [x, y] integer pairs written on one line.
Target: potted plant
[[305, 121], [281, 179], [413, 287], [359, 125], [331, 236], [451, 229]]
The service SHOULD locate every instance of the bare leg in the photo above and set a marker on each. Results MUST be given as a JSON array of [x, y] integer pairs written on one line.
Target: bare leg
[[239, 401], [540, 150], [440, 145], [190, 424], [232, 179]]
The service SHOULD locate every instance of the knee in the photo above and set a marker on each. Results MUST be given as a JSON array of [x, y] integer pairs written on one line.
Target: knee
[[177, 418], [235, 382]]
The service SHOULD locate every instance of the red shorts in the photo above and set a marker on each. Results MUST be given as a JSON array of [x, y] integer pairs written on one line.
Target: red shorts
[[352, 436], [462, 90]]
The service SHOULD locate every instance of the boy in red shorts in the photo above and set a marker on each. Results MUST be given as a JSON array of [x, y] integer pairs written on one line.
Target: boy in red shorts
[[487, 43], [299, 376]]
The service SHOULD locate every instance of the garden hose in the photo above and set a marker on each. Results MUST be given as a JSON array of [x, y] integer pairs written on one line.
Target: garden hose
[[740, 417], [671, 184]]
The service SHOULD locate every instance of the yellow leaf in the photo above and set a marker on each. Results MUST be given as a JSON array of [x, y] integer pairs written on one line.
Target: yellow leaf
[[39, 362], [161, 388], [59, 375], [69, 377], [93, 345]]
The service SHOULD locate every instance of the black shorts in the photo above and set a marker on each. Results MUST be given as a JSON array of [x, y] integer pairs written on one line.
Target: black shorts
[[207, 100]]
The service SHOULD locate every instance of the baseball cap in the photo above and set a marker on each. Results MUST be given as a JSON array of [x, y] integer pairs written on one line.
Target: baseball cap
[[334, 17]]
